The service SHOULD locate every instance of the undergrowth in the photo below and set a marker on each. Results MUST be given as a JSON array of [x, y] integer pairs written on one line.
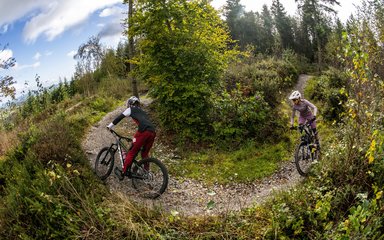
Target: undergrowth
[[248, 163]]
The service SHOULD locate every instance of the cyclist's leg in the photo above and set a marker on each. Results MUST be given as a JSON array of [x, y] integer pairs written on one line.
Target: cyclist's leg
[[302, 120], [137, 142], [314, 129], [150, 139]]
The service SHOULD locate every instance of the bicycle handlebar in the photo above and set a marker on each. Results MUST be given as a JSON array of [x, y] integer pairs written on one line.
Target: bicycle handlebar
[[307, 123], [119, 136]]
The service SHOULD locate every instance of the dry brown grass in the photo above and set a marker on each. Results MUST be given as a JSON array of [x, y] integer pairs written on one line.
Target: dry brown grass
[[7, 141]]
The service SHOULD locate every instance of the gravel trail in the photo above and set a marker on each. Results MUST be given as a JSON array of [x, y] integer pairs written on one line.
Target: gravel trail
[[187, 196]]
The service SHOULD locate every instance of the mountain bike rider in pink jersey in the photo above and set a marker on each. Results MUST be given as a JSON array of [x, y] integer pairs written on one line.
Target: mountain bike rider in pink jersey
[[144, 136], [306, 109]]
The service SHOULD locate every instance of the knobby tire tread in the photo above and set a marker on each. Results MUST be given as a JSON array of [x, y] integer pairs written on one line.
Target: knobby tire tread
[[110, 166]]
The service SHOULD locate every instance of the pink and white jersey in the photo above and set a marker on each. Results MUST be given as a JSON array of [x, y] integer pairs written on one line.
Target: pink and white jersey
[[305, 109]]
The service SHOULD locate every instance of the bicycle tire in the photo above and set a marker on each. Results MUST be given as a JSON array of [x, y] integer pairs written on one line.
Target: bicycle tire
[[303, 159], [149, 183], [104, 163]]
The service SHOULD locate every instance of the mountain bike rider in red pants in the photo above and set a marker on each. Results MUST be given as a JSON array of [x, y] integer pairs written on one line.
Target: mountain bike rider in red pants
[[144, 136]]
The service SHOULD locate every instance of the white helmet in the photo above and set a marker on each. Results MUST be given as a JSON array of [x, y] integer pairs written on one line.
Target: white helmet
[[132, 100], [295, 95]]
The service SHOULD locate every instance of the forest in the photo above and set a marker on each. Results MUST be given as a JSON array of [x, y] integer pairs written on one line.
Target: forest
[[219, 82]]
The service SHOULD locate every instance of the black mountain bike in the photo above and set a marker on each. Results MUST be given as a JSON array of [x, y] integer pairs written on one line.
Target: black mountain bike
[[149, 176], [307, 151]]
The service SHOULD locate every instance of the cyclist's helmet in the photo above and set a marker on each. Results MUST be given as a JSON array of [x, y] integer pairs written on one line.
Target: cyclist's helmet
[[132, 101], [295, 95]]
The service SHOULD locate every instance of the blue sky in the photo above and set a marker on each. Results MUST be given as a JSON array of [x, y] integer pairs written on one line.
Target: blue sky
[[43, 35]]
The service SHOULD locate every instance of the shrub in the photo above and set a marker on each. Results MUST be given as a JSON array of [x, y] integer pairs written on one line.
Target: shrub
[[47, 189], [235, 117], [328, 90], [55, 141], [270, 76], [117, 88]]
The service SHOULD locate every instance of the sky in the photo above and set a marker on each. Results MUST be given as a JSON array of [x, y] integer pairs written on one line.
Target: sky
[[44, 35], [344, 10]]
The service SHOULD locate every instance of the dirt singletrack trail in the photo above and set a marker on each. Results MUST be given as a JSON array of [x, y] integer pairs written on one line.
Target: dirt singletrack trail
[[188, 196]]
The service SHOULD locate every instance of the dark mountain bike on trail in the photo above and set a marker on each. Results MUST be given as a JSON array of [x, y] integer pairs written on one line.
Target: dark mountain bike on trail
[[149, 176], [307, 151]]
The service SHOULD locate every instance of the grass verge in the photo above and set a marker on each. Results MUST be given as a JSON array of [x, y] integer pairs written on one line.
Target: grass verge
[[250, 163]]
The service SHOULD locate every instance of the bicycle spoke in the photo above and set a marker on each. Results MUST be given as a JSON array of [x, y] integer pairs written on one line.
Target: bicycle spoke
[[150, 179], [104, 163], [303, 159]]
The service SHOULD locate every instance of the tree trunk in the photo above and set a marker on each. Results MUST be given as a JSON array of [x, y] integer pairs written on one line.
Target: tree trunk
[[319, 55], [131, 49]]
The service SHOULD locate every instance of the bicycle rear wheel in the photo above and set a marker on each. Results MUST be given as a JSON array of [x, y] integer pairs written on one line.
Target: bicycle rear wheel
[[149, 177], [104, 163], [303, 158]]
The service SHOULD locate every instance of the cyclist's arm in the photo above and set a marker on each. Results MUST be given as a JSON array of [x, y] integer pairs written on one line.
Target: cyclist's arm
[[293, 116], [312, 106], [126, 113]]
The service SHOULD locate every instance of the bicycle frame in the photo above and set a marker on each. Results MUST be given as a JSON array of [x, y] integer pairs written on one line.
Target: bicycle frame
[[307, 134], [149, 175], [119, 146]]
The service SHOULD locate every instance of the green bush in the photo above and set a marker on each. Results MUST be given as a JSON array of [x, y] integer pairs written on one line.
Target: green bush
[[328, 90], [235, 117], [249, 163], [101, 104], [271, 77], [55, 141], [47, 189], [118, 88]]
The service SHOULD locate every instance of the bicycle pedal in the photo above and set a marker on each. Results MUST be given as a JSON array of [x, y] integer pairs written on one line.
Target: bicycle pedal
[[119, 174]]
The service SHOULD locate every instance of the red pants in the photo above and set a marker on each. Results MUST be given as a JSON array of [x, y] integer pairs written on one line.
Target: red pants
[[140, 139]]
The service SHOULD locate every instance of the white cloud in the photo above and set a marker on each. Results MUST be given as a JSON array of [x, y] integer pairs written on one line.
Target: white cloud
[[21, 67], [71, 53], [112, 28], [37, 56], [50, 18], [113, 11], [5, 55], [11, 10]]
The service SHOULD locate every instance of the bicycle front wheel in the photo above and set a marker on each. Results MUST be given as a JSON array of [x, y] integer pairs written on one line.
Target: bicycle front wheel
[[104, 163], [149, 177], [303, 158]]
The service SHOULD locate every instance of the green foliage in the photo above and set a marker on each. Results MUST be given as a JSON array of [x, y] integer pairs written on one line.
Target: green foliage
[[184, 53], [118, 88], [6, 82], [43, 98], [47, 189], [247, 164], [283, 25], [235, 117], [302, 213], [350, 181], [329, 90], [56, 142], [364, 221], [271, 76]]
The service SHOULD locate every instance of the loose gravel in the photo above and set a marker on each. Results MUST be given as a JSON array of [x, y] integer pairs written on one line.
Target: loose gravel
[[187, 196]]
